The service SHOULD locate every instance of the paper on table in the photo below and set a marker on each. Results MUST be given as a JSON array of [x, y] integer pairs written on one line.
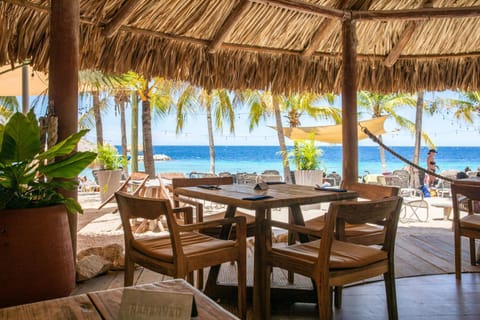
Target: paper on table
[[139, 304]]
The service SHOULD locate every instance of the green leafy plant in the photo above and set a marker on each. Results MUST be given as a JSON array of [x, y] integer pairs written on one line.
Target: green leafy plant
[[306, 155], [32, 177], [109, 158]]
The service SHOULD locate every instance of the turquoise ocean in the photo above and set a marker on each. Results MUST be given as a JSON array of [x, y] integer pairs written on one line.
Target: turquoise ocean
[[256, 159]]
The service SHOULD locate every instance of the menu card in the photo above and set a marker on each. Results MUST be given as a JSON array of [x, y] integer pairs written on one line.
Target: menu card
[[139, 304]]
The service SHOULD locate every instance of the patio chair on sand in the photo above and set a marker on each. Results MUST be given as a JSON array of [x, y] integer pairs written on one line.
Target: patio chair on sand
[[333, 261], [184, 249], [133, 184], [464, 196]]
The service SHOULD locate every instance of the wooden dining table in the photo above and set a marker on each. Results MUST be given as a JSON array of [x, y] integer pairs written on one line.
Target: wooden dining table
[[105, 305], [277, 196]]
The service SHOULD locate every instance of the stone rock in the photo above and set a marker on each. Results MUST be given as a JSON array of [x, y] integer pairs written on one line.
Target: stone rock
[[112, 252], [91, 266]]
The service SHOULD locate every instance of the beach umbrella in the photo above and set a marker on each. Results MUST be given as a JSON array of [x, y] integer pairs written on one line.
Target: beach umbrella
[[11, 81], [333, 133]]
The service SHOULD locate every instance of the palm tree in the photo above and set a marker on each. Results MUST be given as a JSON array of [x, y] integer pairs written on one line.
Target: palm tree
[[155, 96], [466, 106], [134, 133], [8, 105], [121, 101], [378, 105], [219, 107], [93, 83], [263, 104]]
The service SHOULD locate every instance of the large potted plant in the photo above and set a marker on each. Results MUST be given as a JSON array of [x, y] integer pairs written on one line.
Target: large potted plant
[[110, 172], [36, 256], [307, 159]]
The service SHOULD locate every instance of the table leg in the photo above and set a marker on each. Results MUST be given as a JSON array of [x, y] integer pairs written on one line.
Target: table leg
[[297, 216], [259, 268], [214, 270]]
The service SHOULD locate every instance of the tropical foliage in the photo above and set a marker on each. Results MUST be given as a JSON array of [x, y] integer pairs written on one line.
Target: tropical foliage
[[377, 105], [109, 158], [466, 107], [31, 176], [218, 106], [306, 155]]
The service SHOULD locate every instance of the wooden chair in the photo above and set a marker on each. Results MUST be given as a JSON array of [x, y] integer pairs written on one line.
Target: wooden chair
[[184, 249], [463, 197], [199, 208], [335, 262], [367, 234], [133, 184]]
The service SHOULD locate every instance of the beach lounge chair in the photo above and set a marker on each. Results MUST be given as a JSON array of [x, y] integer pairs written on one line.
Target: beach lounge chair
[[334, 178]]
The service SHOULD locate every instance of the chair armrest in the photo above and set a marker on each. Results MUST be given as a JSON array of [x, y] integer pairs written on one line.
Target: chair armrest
[[198, 206], [240, 221], [294, 227], [187, 201]]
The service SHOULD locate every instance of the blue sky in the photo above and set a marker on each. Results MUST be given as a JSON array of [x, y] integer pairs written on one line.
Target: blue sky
[[443, 129]]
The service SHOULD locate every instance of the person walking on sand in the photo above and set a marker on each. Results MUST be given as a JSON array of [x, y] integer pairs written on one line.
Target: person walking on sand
[[431, 166]]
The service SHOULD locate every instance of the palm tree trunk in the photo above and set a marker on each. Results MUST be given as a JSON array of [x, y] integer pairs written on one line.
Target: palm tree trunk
[[147, 139], [418, 139], [134, 133], [123, 127], [98, 117], [382, 156], [211, 143], [281, 140]]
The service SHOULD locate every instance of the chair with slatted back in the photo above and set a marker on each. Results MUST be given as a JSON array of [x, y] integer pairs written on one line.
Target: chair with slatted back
[[464, 198], [199, 207], [184, 249], [368, 234], [133, 184], [332, 261]]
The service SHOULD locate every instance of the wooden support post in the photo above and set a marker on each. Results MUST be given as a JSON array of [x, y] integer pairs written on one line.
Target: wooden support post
[[25, 89], [349, 103], [63, 76]]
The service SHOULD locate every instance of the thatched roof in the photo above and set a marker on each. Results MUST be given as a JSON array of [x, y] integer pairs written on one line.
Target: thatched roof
[[279, 44]]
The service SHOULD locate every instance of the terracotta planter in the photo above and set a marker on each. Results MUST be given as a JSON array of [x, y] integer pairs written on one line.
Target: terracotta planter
[[36, 257], [109, 182]]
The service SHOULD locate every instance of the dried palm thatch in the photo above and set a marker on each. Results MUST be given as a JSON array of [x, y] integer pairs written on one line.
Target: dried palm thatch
[[282, 45]]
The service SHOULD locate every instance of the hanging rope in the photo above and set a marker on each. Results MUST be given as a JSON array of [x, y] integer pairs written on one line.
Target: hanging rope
[[375, 139]]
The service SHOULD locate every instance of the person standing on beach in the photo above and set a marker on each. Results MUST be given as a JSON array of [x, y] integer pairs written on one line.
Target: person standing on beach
[[431, 166]]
